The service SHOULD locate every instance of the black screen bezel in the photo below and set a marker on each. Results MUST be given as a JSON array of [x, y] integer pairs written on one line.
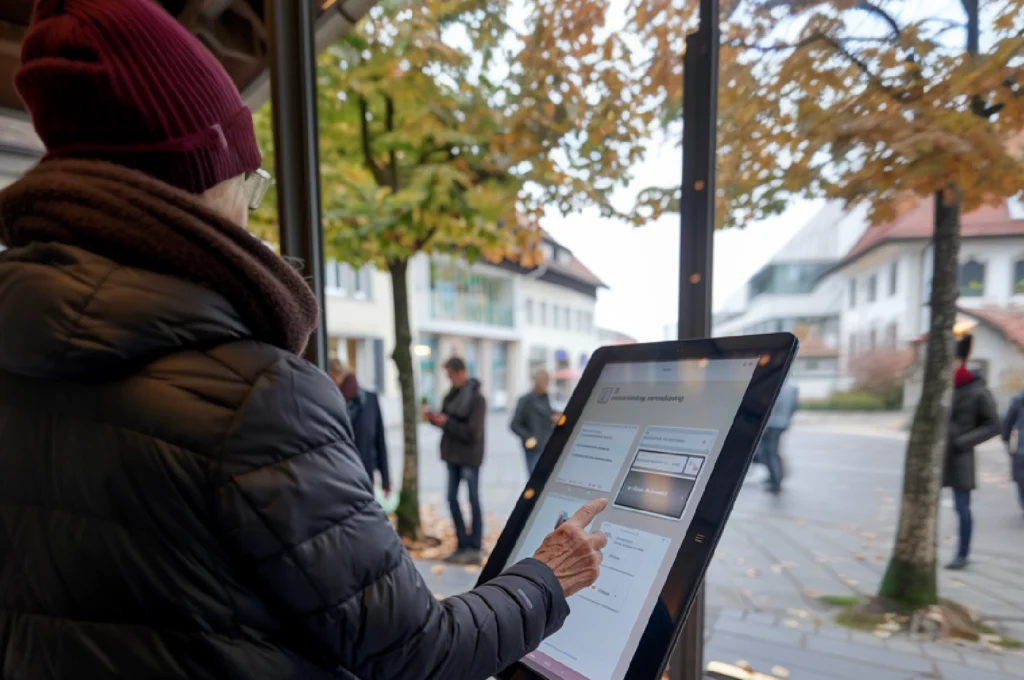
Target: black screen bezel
[[775, 353]]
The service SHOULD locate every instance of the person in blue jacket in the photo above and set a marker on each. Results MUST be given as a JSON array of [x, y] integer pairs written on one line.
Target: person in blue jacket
[[1014, 421], [778, 422]]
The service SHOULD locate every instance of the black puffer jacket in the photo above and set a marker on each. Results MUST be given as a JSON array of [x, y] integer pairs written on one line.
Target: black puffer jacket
[[973, 420], [179, 501]]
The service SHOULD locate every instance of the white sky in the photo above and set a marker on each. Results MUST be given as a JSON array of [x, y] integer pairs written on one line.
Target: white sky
[[641, 265]]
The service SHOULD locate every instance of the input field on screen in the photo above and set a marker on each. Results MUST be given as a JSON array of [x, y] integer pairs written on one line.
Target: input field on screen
[[660, 462]]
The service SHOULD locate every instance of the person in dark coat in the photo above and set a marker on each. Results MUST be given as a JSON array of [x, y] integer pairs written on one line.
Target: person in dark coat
[[180, 495], [534, 420], [1014, 422], [367, 420], [973, 420], [462, 417], [778, 423]]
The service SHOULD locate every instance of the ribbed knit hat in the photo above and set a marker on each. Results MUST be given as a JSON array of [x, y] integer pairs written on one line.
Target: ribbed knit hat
[[122, 81]]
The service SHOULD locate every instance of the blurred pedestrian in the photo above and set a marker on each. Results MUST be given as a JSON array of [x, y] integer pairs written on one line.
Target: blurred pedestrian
[[462, 417], [1012, 426], [973, 420], [778, 422], [367, 420], [180, 494], [535, 419]]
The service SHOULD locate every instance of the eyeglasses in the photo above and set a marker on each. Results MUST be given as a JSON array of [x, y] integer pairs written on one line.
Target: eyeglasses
[[257, 184]]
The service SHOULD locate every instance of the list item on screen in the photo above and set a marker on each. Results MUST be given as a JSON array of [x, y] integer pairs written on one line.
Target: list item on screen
[[597, 455]]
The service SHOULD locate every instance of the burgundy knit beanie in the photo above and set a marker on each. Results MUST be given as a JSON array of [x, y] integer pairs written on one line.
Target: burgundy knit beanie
[[122, 81]]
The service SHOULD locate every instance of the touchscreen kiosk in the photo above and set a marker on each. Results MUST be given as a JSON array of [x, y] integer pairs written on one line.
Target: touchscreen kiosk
[[650, 430]]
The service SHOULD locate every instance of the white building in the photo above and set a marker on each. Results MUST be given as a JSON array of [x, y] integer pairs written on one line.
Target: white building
[[506, 322], [786, 294], [886, 280]]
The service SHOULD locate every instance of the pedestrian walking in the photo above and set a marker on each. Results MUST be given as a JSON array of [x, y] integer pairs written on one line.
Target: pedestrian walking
[[778, 422], [973, 420], [367, 420], [180, 493], [1013, 423], [535, 419], [462, 417]]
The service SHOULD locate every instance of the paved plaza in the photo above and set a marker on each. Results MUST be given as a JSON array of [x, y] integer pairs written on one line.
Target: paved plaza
[[828, 534]]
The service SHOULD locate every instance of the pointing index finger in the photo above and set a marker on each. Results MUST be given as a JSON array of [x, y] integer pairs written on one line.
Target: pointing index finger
[[588, 512]]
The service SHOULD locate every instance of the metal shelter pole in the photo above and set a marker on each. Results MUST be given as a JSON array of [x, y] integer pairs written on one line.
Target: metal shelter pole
[[697, 217], [291, 38]]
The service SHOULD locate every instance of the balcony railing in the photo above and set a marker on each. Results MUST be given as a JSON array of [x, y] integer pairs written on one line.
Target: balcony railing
[[445, 306]]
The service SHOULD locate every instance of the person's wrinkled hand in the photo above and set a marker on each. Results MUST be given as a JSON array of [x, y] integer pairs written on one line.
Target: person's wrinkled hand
[[573, 554], [531, 443]]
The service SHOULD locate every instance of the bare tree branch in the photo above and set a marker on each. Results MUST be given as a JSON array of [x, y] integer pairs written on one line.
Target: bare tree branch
[[364, 133], [872, 8], [389, 122]]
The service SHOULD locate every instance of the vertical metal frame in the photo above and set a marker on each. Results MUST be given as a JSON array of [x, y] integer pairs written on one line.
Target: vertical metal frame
[[697, 225], [291, 37]]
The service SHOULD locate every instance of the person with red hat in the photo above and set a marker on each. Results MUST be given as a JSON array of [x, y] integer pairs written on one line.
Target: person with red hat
[[180, 496], [973, 420]]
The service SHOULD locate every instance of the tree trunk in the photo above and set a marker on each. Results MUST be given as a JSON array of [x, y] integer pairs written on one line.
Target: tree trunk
[[408, 512], [910, 579]]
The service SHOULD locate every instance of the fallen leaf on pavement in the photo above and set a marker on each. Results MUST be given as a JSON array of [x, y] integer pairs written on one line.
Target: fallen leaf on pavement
[[437, 569], [883, 634], [859, 557], [850, 582], [780, 672], [753, 572], [791, 623], [798, 613], [776, 568], [472, 568], [813, 594]]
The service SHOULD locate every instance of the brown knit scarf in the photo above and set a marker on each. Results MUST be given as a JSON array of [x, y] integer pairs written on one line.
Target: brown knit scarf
[[138, 221]]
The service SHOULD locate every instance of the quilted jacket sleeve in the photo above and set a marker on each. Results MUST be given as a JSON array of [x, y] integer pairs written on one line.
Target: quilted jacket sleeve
[[297, 509]]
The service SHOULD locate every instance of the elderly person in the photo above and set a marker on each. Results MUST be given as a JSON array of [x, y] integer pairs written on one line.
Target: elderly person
[[535, 419], [180, 495], [367, 420]]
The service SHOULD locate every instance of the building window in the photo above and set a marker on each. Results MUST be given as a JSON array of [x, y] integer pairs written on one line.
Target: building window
[[853, 344], [361, 283], [894, 277], [872, 288], [1015, 207], [556, 316], [1018, 277], [567, 319], [872, 340], [972, 279], [890, 335], [529, 311], [853, 293], [543, 314]]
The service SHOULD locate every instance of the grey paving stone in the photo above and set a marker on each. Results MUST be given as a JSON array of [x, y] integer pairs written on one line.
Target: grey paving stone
[[878, 656], [804, 664], [760, 631], [950, 671], [902, 644], [941, 652], [1014, 666], [834, 632], [762, 617], [982, 661]]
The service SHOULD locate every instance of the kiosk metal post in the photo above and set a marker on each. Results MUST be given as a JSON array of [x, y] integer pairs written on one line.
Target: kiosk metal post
[[290, 25], [697, 225]]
